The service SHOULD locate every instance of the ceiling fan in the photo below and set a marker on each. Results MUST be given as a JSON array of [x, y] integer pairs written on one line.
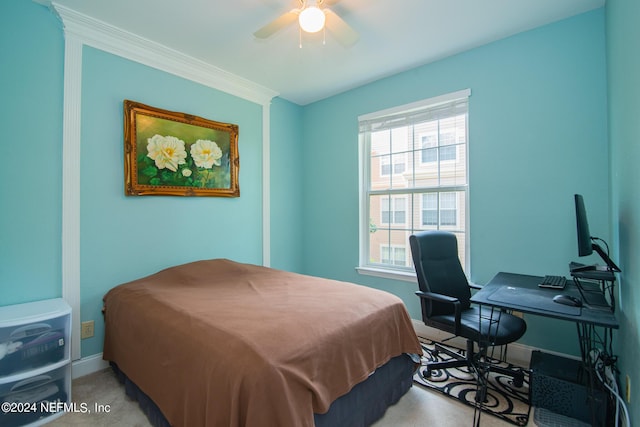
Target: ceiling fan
[[312, 17]]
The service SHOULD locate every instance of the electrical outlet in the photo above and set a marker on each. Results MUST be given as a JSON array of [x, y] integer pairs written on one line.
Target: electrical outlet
[[628, 390], [87, 329]]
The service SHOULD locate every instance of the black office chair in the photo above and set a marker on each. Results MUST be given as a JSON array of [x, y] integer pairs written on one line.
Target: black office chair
[[444, 297]]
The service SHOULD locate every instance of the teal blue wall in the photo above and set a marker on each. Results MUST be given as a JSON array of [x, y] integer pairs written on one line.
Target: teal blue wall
[[537, 132], [623, 41], [287, 219], [31, 76], [123, 238]]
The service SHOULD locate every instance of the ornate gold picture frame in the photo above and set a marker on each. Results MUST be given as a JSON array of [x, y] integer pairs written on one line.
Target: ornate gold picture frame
[[177, 154]]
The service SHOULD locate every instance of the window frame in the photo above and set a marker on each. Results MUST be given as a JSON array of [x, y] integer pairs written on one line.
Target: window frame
[[389, 271]]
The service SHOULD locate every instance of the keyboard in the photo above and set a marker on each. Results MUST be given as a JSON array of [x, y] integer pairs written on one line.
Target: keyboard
[[553, 282]]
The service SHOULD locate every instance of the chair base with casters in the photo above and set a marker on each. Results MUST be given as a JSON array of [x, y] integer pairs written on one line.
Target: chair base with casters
[[471, 360], [456, 361]]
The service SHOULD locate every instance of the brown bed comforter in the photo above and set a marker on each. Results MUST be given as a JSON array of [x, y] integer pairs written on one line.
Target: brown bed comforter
[[218, 343]]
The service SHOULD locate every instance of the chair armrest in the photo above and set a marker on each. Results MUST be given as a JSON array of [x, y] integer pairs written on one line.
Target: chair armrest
[[445, 299], [474, 285], [438, 297]]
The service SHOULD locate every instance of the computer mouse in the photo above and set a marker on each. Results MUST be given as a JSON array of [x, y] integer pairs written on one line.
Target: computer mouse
[[567, 300]]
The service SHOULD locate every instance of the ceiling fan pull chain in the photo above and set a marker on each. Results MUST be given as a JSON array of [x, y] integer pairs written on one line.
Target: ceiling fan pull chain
[[299, 37]]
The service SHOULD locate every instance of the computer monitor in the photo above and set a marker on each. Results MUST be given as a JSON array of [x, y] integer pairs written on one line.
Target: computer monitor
[[584, 236], [586, 244]]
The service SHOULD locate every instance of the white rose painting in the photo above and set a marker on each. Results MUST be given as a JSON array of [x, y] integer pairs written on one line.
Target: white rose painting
[[206, 153], [166, 151], [177, 154]]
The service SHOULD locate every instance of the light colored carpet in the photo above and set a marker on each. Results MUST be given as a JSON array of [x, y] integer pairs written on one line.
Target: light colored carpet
[[417, 408]]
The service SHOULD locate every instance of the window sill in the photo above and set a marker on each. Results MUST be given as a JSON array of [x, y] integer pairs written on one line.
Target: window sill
[[388, 274]]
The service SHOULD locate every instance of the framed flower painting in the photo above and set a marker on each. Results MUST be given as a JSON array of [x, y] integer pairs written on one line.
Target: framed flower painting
[[177, 154]]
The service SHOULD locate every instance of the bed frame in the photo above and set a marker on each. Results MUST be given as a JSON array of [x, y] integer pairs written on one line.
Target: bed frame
[[365, 404]]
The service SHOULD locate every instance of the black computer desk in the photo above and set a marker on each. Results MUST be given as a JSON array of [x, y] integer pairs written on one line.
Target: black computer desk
[[520, 292]]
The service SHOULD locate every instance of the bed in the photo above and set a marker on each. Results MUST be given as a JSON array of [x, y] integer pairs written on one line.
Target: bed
[[221, 343]]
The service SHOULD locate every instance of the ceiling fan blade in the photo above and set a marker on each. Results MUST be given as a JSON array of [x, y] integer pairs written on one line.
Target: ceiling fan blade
[[277, 24], [329, 2], [340, 29]]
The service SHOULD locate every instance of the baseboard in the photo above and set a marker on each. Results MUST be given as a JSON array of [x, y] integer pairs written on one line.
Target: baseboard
[[517, 354], [88, 365]]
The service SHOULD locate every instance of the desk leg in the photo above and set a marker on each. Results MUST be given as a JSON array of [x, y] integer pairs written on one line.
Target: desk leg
[[481, 364], [490, 317], [593, 348]]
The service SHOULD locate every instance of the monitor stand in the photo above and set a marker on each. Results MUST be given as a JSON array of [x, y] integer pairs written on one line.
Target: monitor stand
[[576, 266], [592, 295], [594, 271]]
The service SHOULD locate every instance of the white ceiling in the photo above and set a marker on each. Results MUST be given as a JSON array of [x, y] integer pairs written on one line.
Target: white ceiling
[[394, 35]]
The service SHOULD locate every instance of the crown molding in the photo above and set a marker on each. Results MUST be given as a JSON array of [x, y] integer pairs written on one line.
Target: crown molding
[[106, 37]]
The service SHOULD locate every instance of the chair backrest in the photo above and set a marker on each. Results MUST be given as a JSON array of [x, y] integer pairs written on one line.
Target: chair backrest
[[438, 269]]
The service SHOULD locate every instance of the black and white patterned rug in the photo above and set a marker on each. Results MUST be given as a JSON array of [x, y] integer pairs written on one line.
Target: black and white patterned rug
[[504, 400]]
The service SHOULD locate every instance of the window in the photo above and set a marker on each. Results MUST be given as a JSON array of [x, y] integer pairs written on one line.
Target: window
[[413, 177], [394, 210], [439, 143], [439, 209], [393, 255], [386, 166]]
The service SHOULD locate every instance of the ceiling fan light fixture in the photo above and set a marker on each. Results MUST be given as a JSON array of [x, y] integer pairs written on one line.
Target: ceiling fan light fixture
[[311, 19]]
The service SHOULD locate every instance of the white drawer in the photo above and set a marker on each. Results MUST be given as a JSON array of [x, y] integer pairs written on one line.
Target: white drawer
[[33, 398], [33, 345]]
